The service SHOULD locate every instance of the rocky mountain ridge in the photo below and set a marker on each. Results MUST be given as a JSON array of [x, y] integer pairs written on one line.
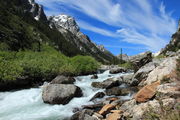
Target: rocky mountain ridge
[[65, 24], [34, 8], [174, 44], [31, 30]]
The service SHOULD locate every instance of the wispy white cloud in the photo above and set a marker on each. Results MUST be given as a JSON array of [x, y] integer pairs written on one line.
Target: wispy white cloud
[[87, 26], [142, 22]]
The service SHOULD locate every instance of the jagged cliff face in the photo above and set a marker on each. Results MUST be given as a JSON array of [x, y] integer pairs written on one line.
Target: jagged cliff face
[[174, 44], [34, 8], [71, 31], [66, 22]]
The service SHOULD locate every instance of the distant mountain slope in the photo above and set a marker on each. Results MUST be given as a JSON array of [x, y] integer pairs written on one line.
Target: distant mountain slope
[[23, 25], [65, 24]]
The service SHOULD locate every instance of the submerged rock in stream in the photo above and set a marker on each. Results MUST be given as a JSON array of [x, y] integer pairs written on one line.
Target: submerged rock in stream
[[60, 93]]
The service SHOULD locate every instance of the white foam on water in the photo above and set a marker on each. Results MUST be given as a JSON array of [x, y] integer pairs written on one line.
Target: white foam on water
[[28, 104]]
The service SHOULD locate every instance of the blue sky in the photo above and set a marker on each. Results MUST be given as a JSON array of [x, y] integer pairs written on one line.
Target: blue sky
[[133, 25]]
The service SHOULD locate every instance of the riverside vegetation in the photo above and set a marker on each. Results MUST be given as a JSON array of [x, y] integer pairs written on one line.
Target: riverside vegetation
[[43, 65]]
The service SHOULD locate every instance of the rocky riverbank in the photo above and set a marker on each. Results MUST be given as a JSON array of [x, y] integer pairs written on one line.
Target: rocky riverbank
[[158, 96]]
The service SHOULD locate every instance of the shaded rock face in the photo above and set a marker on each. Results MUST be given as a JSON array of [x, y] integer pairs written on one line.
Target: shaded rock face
[[140, 60], [60, 79], [98, 95], [34, 8], [60, 93], [95, 76], [105, 84], [117, 91], [147, 92], [142, 73], [113, 91]]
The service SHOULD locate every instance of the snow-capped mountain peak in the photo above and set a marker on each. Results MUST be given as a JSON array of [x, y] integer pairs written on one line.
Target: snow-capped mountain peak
[[67, 22]]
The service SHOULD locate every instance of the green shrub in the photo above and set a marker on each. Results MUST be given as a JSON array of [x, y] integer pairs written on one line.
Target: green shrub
[[43, 65], [9, 70], [84, 64], [127, 65], [160, 56]]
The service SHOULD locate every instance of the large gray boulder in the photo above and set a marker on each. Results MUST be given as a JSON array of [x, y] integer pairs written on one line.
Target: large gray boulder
[[60, 93], [60, 79], [117, 70], [142, 73], [140, 60], [167, 67]]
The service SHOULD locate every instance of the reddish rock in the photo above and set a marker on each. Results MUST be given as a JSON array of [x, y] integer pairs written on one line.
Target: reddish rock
[[117, 111], [112, 98], [114, 116], [147, 92], [106, 109]]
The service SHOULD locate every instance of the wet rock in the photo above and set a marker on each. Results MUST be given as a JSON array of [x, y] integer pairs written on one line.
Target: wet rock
[[105, 84], [147, 92], [76, 109], [140, 60], [117, 91], [96, 107], [126, 91], [117, 102], [117, 70], [60, 93], [83, 115], [106, 109], [98, 95], [95, 76], [113, 91], [110, 100], [60, 79]]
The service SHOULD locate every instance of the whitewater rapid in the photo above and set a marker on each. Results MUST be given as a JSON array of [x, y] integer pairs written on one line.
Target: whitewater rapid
[[28, 104]]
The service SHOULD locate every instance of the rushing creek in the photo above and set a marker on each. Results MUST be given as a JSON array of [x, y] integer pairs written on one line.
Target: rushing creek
[[27, 104]]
